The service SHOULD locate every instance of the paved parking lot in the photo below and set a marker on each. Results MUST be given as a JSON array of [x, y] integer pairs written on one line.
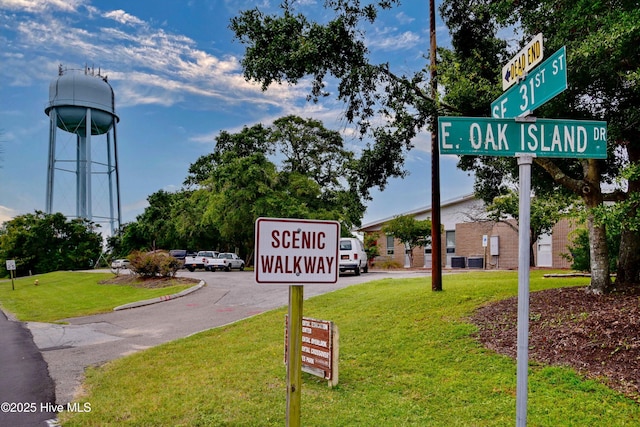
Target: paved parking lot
[[228, 297]]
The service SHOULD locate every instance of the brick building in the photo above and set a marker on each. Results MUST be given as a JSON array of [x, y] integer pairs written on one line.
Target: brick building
[[470, 240]]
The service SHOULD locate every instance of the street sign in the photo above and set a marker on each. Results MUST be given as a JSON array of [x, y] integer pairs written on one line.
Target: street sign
[[296, 251], [530, 56], [11, 264], [544, 83], [483, 136]]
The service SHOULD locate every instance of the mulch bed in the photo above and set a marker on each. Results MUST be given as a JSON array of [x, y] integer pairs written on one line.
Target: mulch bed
[[598, 335]]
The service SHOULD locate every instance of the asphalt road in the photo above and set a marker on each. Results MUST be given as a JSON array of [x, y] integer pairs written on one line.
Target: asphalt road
[[228, 297], [26, 391]]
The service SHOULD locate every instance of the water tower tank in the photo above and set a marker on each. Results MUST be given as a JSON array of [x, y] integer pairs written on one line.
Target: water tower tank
[[72, 93], [82, 102]]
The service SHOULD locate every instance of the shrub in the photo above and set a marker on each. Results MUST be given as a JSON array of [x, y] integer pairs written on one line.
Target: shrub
[[371, 246], [152, 264], [385, 263], [579, 255]]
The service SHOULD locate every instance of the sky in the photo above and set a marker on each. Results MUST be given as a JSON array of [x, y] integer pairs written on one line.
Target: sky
[[174, 67]]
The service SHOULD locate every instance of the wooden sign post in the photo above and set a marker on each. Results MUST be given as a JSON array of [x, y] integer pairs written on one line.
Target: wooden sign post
[[295, 252]]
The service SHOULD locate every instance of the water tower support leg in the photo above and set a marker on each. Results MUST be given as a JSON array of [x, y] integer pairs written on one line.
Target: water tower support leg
[[51, 162]]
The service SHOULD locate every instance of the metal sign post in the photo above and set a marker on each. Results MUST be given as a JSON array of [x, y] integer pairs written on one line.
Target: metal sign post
[[524, 165], [11, 267]]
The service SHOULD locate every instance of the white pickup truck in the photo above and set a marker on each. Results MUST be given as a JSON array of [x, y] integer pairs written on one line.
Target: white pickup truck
[[200, 260], [225, 261]]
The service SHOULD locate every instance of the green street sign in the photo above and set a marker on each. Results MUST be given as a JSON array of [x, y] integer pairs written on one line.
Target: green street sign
[[542, 84], [484, 136]]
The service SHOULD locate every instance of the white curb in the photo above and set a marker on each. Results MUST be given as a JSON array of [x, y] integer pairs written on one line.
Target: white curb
[[160, 299]]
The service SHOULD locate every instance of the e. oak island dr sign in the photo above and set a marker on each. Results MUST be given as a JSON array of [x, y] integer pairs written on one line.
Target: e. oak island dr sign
[[483, 136], [296, 251]]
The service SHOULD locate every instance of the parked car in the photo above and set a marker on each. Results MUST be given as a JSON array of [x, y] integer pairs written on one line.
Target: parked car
[[352, 256], [225, 261], [120, 263], [179, 254], [200, 260]]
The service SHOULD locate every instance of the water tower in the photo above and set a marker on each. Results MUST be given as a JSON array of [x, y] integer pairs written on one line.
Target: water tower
[[82, 102]]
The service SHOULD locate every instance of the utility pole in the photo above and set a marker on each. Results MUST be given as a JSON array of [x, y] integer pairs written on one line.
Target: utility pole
[[436, 238]]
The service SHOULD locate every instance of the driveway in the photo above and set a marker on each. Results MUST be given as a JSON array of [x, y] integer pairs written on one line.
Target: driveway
[[228, 297]]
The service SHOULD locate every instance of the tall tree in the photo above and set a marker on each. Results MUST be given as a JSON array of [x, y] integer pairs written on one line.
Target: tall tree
[[157, 232], [411, 232], [41, 243], [312, 150], [603, 58], [301, 148], [289, 47]]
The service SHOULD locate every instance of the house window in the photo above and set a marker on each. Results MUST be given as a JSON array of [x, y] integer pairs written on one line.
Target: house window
[[427, 249], [451, 242], [390, 244]]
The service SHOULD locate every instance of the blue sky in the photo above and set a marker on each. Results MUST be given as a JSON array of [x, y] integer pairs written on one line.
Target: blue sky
[[175, 70]]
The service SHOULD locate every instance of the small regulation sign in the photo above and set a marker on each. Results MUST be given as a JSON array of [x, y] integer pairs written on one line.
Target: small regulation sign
[[319, 348], [296, 251], [530, 56]]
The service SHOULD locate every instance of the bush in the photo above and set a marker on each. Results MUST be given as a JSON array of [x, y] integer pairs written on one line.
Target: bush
[[152, 264], [579, 255], [386, 263]]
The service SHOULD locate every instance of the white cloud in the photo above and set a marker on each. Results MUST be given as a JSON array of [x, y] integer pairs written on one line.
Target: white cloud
[[388, 40], [148, 65], [6, 214], [41, 5], [404, 19], [123, 17]]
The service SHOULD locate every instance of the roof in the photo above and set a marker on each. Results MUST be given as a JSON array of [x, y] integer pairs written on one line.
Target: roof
[[419, 211]]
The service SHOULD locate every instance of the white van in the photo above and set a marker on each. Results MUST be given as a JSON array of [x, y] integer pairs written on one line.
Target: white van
[[352, 256]]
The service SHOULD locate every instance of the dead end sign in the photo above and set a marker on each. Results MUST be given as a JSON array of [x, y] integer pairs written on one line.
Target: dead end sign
[[296, 251]]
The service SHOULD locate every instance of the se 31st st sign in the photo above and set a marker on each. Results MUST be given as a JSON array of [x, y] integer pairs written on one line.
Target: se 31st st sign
[[538, 87], [483, 136], [296, 251]]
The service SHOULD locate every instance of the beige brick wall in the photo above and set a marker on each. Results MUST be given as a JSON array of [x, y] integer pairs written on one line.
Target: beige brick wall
[[469, 244]]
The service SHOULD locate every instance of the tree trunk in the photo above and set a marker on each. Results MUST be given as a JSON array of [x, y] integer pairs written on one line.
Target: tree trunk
[[628, 275], [628, 260], [592, 195], [600, 277]]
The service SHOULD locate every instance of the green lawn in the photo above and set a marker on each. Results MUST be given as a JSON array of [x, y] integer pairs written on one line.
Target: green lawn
[[407, 358], [61, 295]]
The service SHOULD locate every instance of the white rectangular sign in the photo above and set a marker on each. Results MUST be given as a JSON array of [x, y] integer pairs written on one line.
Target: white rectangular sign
[[296, 251], [530, 56], [11, 264]]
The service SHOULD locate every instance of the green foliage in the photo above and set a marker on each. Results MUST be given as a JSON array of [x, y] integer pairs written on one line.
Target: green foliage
[[371, 246], [579, 249], [410, 231], [388, 107], [41, 243], [153, 264], [603, 57], [316, 178]]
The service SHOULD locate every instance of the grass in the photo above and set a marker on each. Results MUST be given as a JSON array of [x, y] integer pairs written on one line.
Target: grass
[[407, 358], [61, 295]]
